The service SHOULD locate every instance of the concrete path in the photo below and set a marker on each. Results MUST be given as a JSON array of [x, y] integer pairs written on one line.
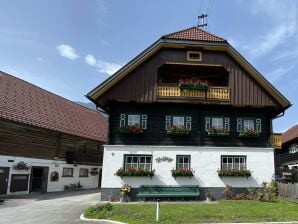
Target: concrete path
[[51, 208]]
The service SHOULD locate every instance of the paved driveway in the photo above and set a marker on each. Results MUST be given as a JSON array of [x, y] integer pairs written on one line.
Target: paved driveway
[[52, 208]]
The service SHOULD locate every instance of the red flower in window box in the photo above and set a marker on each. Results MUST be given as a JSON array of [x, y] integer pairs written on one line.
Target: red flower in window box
[[133, 129], [174, 130], [192, 84], [234, 173], [180, 172], [218, 132], [132, 172]]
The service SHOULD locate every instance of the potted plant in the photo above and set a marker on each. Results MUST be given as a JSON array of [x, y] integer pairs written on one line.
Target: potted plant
[[177, 131], [21, 166], [131, 129], [208, 195], [218, 132], [192, 84], [132, 172], [249, 133], [111, 197], [234, 173], [180, 172], [124, 190]]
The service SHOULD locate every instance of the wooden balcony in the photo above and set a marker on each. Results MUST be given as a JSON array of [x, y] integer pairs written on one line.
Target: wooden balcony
[[212, 93], [276, 141]]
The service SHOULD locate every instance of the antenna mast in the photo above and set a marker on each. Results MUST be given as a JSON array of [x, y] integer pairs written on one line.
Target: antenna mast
[[201, 19]]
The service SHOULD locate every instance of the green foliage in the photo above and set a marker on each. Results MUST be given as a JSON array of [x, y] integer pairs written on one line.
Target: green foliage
[[249, 133], [234, 173], [99, 211], [182, 172], [177, 131], [130, 172]]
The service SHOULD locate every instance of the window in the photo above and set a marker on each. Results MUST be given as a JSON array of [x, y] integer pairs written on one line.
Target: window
[[249, 124], [233, 162], [178, 121], [133, 119], [83, 172], [138, 162], [183, 162], [217, 123], [67, 172], [194, 56]]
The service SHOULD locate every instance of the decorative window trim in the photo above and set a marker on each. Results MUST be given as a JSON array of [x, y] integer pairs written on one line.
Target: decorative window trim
[[257, 123], [189, 53], [138, 160], [143, 120], [67, 168], [84, 174], [187, 121]]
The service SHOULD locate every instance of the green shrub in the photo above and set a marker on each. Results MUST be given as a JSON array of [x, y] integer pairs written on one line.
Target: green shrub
[[99, 211]]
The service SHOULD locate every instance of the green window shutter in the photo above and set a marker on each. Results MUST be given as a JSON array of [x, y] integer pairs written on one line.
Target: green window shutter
[[122, 120], [168, 122], [188, 123], [227, 123], [239, 124], [259, 125], [144, 121], [207, 123]]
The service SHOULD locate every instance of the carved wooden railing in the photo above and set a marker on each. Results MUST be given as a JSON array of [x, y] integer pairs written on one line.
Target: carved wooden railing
[[212, 93], [276, 141]]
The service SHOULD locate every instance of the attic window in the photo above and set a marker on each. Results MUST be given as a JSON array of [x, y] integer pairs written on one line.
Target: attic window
[[194, 56]]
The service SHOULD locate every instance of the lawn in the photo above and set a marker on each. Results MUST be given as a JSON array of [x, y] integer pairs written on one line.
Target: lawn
[[223, 211]]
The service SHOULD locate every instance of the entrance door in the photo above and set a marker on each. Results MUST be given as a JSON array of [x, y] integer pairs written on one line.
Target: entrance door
[[39, 179], [99, 177], [4, 175]]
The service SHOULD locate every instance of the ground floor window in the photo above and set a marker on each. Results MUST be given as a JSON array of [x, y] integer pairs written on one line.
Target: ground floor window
[[233, 162], [183, 162], [138, 162], [67, 172], [83, 172]]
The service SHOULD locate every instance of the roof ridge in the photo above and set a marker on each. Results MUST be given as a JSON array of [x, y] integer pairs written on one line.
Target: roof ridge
[[179, 31], [47, 91]]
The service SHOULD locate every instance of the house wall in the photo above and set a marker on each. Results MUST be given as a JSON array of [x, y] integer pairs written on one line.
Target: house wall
[[86, 182], [205, 161], [156, 133]]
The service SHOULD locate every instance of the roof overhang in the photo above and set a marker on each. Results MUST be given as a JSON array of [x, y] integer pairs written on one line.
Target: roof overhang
[[182, 44]]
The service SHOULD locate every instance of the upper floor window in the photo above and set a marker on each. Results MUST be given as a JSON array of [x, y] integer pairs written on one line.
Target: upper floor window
[[218, 123], [183, 162], [139, 120], [244, 124], [138, 162], [194, 56], [233, 162], [178, 121]]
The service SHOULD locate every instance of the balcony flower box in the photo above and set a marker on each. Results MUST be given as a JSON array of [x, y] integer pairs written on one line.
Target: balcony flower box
[[249, 133], [218, 132], [182, 173], [21, 166], [234, 173], [177, 131], [131, 130], [132, 172], [193, 84]]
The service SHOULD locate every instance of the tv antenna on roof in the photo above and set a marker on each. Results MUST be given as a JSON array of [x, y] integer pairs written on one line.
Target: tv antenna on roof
[[201, 19]]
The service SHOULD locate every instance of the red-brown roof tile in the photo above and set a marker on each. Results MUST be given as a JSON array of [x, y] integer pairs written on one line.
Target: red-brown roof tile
[[23, 102], [290, 134], [194, 33]]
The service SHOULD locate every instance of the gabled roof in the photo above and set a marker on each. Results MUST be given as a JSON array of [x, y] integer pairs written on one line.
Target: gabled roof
[[23, 102], [191, 37], [290, 134], [194, 33]]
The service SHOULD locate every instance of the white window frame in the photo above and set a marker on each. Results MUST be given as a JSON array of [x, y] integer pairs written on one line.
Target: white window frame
[[232, 164], [137, 162], [184, 164]]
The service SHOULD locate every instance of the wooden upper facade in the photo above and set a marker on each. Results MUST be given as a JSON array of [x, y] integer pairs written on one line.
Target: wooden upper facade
[[153, 77]]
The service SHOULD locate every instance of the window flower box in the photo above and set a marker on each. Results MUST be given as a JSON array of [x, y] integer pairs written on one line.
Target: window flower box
[[132, 172], [218, 132], [177, 131], [182, 173], [132, 130], [234, 173], [249, 133], [21, 166], [193, 84]]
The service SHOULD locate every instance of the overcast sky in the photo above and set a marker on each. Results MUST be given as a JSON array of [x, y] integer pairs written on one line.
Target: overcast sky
[[68, 47]]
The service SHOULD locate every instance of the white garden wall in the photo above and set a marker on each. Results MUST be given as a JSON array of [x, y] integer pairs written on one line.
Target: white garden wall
[[204, 161]]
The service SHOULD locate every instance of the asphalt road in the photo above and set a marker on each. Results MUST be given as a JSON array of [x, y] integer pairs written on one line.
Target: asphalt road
[[51, 208]]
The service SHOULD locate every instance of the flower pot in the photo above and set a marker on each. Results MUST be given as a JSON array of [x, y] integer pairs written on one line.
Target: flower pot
[[111, 198]]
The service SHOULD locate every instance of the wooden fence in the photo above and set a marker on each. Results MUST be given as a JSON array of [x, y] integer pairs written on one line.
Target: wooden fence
[[289, 191]]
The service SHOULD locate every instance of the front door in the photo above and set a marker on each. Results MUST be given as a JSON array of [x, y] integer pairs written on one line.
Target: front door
[[39, 179], [4, 175]]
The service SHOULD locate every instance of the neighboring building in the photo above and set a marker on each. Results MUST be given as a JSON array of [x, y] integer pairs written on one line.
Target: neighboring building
[[46, 141], [286, 158], [157, 124]]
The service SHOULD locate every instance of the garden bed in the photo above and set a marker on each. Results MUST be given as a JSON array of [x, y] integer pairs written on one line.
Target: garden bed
[[224, 211]]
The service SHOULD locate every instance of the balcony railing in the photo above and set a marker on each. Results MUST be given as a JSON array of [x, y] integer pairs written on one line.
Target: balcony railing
[[276, 141], [212, 93]]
